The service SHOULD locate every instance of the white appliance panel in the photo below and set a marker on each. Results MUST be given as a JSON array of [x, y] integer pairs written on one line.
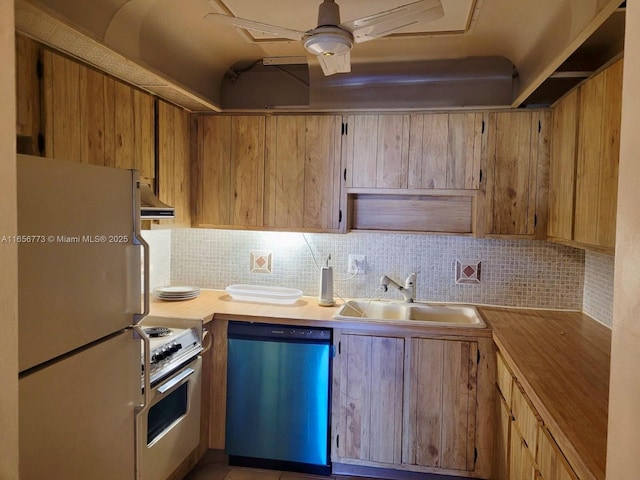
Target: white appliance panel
[[79, 273], [77, 414]]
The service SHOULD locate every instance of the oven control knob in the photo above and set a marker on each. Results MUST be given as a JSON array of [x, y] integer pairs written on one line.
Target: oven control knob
[[161, 355]]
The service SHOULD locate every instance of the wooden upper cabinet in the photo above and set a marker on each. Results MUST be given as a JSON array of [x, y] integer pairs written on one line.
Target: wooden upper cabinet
[[597, 158], [27, 95], [418, 152], [442, 382], [562, 164], [92, 118], [445, 151], [371, 386], [230, 171], [174, 170], [302, 173], [516, 173], [377, 151]]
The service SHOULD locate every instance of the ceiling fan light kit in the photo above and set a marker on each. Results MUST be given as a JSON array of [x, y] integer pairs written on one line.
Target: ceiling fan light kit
[[329, 41]]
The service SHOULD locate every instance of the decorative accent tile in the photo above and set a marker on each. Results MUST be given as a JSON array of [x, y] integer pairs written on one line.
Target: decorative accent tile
[[468, 272], [260, 261]]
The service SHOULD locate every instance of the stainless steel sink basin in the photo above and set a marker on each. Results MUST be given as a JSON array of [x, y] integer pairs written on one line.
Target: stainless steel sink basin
[[417, 313]]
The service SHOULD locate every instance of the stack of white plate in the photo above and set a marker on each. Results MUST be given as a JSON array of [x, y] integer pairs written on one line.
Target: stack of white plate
[[176, 292]]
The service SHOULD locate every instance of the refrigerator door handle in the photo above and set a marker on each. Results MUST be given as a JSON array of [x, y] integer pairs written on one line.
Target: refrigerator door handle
[[138, 240], [146, 294], [146, 341]]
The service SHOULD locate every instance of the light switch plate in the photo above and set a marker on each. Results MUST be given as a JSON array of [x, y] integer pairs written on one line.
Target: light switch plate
[[357, 264]]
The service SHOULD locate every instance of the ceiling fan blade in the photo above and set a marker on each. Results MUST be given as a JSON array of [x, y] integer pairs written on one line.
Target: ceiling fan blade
[[385, 23], [253, 25], [335, 63]]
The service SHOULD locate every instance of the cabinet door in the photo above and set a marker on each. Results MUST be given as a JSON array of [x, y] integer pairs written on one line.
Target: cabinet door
[[27, 95], [371, 383], [377, 151], [445, 151], [442, 404], [501, 440], [231, 152], [92, 118], [302, 172], [174, 186], [517, 160], [598, 157], [521, 463], [553, 465], [562, 167]]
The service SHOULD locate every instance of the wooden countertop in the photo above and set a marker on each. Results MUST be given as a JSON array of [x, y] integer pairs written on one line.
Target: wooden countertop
[[562, 361]]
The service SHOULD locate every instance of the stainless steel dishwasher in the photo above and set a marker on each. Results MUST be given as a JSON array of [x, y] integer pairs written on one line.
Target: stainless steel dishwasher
[[278, 391]]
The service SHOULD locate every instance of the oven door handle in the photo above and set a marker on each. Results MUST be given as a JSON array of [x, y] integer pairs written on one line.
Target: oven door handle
[[175, 380]]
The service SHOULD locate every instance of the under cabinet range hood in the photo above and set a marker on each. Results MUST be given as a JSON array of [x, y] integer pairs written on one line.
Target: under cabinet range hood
[[151, 208]]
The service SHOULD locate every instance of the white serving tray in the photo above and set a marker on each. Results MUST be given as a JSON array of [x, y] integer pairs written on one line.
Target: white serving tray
[[264, 294]]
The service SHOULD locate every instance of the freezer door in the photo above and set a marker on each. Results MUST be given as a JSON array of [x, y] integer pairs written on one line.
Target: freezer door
[[78, 266], [77, 415]]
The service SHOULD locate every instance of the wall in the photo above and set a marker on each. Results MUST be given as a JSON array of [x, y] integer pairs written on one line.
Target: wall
[[516, 273], [623, 461], [8, 251]]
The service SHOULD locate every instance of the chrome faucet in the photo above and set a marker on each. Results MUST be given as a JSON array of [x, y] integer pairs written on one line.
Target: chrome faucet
[[408, 290]]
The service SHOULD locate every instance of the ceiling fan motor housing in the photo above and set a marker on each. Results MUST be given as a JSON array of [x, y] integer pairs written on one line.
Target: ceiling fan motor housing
[[328, 41]]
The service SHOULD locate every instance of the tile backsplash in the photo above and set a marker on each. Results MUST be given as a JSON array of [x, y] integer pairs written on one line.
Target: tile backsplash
[[521, 273], [598, 287], [160, 252]]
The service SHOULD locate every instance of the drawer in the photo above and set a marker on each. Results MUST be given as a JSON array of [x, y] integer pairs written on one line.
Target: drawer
[[504, 378], [525, 418], [551, 462]]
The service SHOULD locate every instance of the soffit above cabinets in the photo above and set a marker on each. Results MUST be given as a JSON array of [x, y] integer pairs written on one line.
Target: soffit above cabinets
[[302, 16], [190, 58]]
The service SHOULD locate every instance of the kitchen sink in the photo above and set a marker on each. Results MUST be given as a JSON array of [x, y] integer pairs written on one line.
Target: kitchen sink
[[418, 313]]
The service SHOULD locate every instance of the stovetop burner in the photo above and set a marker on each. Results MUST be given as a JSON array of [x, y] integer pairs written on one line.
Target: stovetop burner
[[155, 332]]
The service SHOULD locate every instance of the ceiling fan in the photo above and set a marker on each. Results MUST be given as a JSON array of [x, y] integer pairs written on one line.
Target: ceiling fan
[[331, 41]]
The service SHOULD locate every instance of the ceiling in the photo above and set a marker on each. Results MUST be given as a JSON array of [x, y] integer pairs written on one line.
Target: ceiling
[[172, 38]]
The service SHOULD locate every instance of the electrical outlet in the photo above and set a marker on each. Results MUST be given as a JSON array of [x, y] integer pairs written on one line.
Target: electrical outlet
[[356, 263]]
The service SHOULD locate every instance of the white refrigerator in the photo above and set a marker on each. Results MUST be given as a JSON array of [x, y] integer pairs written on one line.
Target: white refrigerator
[[79, 273]]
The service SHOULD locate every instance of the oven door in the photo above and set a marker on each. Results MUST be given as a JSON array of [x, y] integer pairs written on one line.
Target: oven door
[[168, 429]]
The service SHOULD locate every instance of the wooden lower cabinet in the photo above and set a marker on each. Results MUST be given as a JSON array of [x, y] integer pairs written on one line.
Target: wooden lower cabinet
[[410, 403], [501, 439], [524, 449], [521, 463], [441, 423], [371, 387], [551, 461]]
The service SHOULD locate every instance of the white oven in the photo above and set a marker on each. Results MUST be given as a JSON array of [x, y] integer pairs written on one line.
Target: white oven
[[168, 424]]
